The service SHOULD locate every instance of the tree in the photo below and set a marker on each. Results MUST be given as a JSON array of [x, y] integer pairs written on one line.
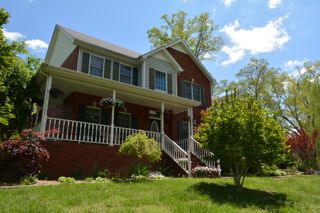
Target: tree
[[16, 82], [242, 134], [197, 32]]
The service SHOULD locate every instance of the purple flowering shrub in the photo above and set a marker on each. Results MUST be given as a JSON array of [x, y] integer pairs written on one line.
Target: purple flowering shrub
[[204, 171]]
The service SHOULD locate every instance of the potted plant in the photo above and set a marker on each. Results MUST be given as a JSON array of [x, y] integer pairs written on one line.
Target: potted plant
[[109, 102]]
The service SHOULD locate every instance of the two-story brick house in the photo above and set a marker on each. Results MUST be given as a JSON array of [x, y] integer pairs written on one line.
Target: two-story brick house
[[163, 90]]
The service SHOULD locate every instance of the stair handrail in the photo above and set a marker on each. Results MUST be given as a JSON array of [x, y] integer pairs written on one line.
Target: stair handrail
[[175, 152], [202, 154]]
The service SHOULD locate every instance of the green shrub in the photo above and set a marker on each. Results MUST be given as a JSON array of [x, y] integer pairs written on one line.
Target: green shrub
[[100, 179], [101, 173], [271, 171], [139, 145], [29, 180], [89, 179], [140, 170], [66, 179], [138, 178]]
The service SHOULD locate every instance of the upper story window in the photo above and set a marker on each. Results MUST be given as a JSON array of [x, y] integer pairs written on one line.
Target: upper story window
[[103, 67], [191, 90], [92, 64], [160, 81], [196, 92], [125, 74], [96, 66]]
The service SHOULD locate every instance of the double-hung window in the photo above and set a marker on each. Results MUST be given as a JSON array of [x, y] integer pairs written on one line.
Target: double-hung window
[[124, 119], [125, 74], [96, 66], [92, 64], [160, 81], [187, 89], [196, 92], [191, 91]]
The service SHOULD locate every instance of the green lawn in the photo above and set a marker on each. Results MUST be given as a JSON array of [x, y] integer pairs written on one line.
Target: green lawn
[[290, 194]]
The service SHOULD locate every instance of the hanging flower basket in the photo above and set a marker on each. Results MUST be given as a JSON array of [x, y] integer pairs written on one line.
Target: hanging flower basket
[[109, 102]]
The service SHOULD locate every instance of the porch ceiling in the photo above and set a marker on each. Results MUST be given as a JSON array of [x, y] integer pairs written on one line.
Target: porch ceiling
[[71, 81]]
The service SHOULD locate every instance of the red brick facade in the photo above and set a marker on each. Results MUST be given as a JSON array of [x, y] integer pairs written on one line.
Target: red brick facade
[[72, 60], [74, 159], [191, 73]]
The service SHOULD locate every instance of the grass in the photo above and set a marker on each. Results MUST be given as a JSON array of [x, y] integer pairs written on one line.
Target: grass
[[289, 194]]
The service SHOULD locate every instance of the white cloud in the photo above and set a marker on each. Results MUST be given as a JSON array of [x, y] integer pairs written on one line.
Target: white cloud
[[235, 54], [256, 40], [228, 3], [37, 44], [13, 36], [272, 4], [292, 64], [295, 67], [34, 44]]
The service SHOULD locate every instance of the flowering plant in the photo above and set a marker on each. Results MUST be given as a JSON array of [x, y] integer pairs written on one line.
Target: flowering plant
[[204, 171], [109, 102]]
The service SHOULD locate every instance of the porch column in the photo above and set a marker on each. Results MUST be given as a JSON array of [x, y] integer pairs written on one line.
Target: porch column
[[189, 140], [162, 124], [112, 119], [45, 105]]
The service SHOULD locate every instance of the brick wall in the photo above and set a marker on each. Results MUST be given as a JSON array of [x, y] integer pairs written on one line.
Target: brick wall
[[72, 60], [191, 73], [70, 158]]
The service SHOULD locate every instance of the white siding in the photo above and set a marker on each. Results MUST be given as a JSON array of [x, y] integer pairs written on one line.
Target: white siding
[[62, 49], [162, 66]]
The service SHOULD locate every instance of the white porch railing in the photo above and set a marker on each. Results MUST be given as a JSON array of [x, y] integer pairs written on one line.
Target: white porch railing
[[196, 148], [175, 152], [120, 134], [70, 130]]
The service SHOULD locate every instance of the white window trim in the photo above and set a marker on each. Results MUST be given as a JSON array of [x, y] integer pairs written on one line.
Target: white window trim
[[127, 113], [166, 74], [97, 108]]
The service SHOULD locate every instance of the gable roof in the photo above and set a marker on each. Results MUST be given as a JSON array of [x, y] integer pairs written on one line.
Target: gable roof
[[83, 38], [80, 38], [195, 59], [166, 53]]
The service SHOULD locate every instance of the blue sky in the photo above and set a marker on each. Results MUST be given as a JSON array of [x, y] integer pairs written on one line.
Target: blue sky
[[285, 32]]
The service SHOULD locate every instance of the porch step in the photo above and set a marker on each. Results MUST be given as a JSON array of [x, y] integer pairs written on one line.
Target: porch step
[[195, 162]]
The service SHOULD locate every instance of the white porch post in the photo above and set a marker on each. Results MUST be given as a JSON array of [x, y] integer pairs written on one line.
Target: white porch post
[[162, 124], [189, 140], [45, 105], [112, 119]]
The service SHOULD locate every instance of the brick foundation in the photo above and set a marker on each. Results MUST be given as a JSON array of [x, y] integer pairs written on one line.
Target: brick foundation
[[72, 158]]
